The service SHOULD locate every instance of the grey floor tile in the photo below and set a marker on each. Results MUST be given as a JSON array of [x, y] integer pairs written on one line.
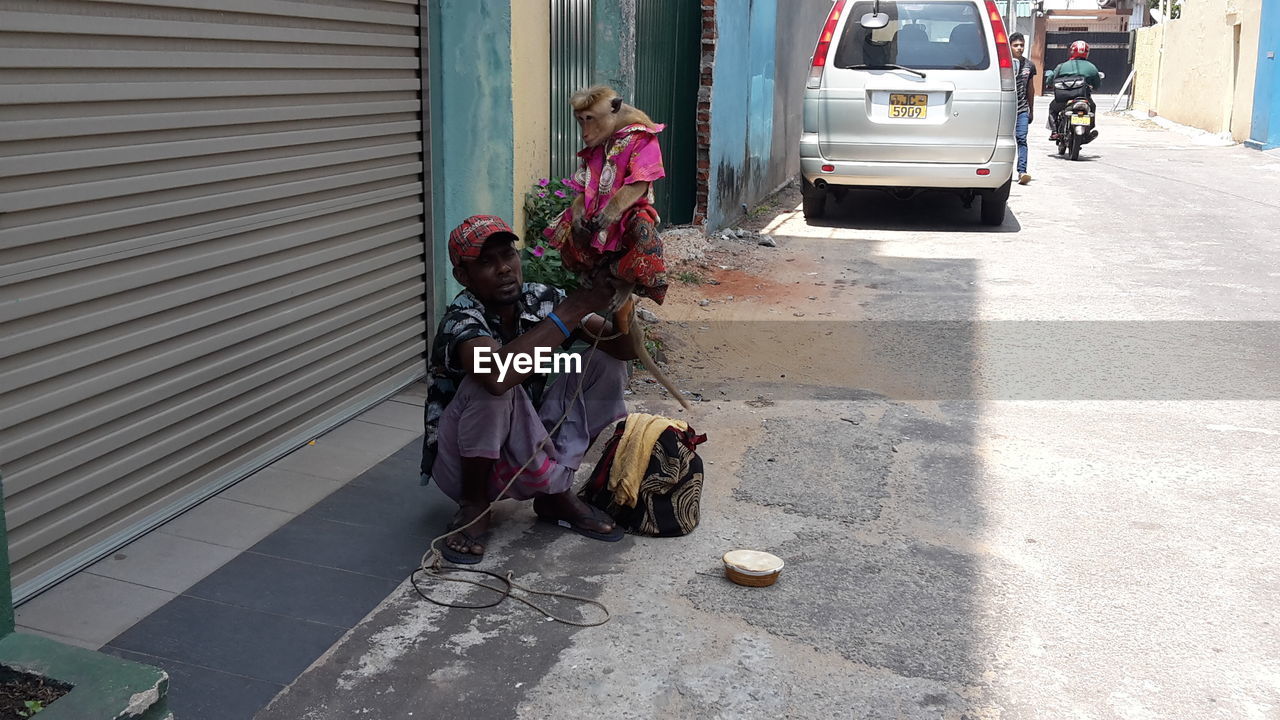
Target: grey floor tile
[[392, 499], [367, 437], [398, 471], [197, 693], [230, 639], [59, 638], [392, 413], [164, 562], [410, 454], [90, 608], [281, 490], [415, 394], [226, 522], [343, 456], [358, 548], [294, 589]]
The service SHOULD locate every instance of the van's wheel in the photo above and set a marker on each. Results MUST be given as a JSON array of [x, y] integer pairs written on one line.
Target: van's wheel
[[1076, 142], [994, 203], [815, 201]]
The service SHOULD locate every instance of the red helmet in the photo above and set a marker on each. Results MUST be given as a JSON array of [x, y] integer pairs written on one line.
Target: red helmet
[[1079, 49]]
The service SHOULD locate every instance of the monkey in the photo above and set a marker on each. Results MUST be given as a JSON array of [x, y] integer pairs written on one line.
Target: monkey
[[600, 113], [612, 220]]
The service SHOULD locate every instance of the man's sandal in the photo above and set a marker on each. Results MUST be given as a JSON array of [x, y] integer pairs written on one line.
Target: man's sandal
[[576, 523], [458, 557]]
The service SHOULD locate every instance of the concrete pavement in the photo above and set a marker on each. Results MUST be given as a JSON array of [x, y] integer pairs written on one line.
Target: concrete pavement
[[957, 545]]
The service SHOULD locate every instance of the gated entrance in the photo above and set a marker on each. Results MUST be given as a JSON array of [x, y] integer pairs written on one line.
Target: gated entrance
[[668, 42], [572, 50], [1109, 51]]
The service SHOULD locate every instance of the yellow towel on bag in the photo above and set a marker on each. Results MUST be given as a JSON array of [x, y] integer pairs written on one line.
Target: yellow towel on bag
[[632, 456]]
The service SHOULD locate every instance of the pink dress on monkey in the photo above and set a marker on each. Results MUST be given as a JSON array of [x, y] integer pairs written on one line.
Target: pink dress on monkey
[[631, 246]]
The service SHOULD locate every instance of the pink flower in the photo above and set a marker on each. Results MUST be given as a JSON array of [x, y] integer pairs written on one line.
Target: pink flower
[[536, 251], [542, 194], [544, 182], [561, 194]]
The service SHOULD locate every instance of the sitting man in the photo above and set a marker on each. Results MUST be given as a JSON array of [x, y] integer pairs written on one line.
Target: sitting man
[[482, 426]]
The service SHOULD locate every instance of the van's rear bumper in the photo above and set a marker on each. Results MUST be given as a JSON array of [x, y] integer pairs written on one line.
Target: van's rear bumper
[[911, 174]]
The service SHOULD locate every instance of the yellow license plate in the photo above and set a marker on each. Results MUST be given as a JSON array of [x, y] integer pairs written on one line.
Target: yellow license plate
[[913, 106], [1080, 120]]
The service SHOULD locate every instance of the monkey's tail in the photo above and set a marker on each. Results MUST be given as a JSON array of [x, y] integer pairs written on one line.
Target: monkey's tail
[[642, 353]]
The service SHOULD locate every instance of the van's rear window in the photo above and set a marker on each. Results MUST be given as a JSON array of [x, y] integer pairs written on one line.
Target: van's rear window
[[924, 36]]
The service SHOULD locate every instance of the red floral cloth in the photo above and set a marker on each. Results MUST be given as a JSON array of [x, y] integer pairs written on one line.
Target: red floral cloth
[[639, 260]]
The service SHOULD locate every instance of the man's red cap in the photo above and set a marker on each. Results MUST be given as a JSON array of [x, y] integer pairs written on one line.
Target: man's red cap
[[466, 240]]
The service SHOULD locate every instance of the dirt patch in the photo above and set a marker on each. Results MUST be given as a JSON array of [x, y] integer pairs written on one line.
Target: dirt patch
[[22, 695]]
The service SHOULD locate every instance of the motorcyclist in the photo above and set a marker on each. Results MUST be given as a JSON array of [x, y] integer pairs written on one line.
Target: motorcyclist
[[1077, 65]]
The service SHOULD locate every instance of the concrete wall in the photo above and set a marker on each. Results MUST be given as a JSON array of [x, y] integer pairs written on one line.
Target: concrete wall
[[1205, 73], [471, 117], [530, 100], [757, 83], [799, 24], [1146, 66]]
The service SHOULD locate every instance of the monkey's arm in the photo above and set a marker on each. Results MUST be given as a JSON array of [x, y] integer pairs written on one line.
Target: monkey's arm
[[578, 211], [618, 204]]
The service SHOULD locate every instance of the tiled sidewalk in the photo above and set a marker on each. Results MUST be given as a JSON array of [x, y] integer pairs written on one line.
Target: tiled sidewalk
[[239, 595]]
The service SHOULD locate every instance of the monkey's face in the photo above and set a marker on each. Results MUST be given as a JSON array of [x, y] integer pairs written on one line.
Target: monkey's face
[[495, 277], [597, 123]]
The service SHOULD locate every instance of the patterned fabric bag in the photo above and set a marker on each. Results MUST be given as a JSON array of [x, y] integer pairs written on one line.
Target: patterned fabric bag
[[669, 494]]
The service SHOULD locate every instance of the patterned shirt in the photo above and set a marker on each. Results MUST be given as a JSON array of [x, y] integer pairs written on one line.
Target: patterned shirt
[[466, 319], [1022, 81]]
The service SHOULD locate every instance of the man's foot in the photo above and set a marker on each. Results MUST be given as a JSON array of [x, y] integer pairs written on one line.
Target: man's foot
[[1024, 178], [569, 511], [1053, 137], [466, 547]]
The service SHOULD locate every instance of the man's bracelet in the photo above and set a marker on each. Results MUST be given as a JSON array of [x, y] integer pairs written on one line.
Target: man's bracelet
[[559, 323]]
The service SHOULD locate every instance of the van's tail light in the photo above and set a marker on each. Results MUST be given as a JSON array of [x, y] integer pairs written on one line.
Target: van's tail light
[[824, 44], [1002, 46]]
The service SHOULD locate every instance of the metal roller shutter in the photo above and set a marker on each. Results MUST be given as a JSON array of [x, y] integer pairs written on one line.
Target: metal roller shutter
[[211, 250]]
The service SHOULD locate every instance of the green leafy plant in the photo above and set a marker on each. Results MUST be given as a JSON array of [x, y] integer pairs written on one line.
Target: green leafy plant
[[543, 203], [33, 707], [689, 278]]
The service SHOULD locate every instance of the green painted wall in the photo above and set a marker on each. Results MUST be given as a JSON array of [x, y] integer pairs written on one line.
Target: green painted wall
[[615, 45], [472, 163], [6, 590]]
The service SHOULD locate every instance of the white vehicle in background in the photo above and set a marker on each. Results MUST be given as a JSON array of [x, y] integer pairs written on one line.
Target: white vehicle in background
[[911, 96]]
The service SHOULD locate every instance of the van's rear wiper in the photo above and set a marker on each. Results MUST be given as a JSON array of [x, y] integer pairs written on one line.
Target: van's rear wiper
[[886, 67]]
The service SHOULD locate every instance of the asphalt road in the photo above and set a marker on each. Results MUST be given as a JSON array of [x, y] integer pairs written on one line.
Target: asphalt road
[[1028, 472]]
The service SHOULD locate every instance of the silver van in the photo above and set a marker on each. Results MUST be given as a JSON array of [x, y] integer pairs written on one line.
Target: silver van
[[905, 96]]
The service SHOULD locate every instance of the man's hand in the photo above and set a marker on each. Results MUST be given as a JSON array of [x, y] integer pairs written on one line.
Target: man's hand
[[595, 295]]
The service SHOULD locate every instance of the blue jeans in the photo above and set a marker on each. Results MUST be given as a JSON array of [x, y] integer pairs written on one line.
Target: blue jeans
[[1020, 131]]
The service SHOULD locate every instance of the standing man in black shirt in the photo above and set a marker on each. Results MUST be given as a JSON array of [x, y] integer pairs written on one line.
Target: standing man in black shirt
[[1023, 72]]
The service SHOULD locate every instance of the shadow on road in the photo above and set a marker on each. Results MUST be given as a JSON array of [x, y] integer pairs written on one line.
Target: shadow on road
[[933, 210]]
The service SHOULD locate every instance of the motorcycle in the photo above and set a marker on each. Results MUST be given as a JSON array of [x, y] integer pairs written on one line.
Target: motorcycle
[[1076, 124], [1075, 128]]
